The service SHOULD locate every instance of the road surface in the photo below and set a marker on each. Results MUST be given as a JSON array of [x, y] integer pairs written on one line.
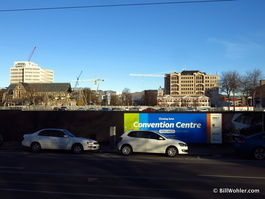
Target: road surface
[[65, 175]]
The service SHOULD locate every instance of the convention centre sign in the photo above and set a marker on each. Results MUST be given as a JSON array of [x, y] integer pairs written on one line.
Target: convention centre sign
[[188, 127]]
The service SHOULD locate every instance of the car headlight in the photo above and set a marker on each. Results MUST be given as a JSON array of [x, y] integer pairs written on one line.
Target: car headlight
[[182, 144], [91, 143]]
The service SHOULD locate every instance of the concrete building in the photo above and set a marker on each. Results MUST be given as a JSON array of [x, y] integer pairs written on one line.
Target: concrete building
[[29, 72], [194, 83], [189, 89]]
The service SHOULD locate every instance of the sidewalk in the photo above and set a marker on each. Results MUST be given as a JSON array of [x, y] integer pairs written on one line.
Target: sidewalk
[[194, 149]]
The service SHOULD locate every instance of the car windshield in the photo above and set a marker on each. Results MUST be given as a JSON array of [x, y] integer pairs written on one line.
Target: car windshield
[[68, 133]]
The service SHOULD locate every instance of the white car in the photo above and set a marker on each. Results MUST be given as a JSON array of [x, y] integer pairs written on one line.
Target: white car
[[58, 139], [150, 142]]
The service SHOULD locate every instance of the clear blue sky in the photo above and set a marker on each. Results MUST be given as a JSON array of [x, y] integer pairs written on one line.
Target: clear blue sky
[[112, 42]]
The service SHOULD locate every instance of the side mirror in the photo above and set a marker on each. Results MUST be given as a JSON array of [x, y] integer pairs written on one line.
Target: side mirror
[[160, 138], [65, 136]]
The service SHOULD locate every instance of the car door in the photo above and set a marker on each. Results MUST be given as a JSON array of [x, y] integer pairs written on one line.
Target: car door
[[44, 138], [138, 141], [60, 140], [155, 143]]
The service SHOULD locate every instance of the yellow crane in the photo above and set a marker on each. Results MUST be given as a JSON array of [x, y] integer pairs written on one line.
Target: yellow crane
[[96, 81]]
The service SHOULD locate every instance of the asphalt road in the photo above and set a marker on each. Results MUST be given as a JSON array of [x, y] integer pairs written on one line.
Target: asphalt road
[[140, 176]]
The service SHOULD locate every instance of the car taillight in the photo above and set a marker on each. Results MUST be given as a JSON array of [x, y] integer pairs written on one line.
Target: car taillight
[[120, 139]]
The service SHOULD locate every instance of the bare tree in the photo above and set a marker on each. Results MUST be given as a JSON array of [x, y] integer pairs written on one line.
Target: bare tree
[[127, 97], [87, 95], [245, 89], [230, 84], [90, 96], [251, 82], [114, 100]]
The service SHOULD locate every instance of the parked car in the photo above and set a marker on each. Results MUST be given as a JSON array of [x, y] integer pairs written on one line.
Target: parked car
[[149, 109], [117, 109], [92, 109], [105, 109], [150, 142], [64, 108], [253, 145], [162, 109], [56, 109], [62, 139], [133, 109]]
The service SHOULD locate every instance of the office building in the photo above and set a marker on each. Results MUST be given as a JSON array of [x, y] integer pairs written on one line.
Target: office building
[[29, 72], [193, 83], [189, 89]]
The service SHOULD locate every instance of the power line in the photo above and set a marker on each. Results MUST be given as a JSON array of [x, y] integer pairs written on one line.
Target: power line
[[114, 5]]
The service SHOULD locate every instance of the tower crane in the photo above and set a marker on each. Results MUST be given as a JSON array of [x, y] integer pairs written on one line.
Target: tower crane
[[150, 75], [96, 80], [77, 79], [78, 94], [32, 53], [147, 75]]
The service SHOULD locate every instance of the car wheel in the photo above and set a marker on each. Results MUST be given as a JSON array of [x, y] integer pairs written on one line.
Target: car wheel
[[259, 153], [77, 148], [172, 151], [35, 147], [126, 150]]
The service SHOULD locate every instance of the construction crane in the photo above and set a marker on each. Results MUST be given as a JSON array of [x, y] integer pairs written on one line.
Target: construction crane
[[150, 75], [78, 94], [77, 79], [147, 75], [32, 53], [94, 80]]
